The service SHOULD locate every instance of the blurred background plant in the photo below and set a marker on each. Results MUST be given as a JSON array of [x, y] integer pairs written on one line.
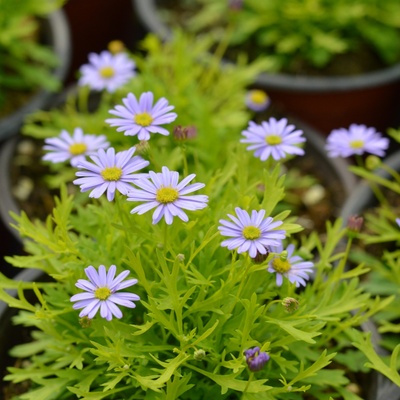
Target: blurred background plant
[[312, 37], [378, 241], [26, 61]]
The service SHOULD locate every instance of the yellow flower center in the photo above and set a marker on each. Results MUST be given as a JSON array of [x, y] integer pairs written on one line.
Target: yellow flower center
[[273, 140], [280, 265], [143, 119], [167, 195], [107, 72], [251, 232], [102, 293], [357, 144], [111, 173], [258, 97], [77, 148]]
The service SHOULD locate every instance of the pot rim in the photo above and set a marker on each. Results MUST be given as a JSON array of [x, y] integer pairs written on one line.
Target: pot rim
[[147, 12], [57, 25]]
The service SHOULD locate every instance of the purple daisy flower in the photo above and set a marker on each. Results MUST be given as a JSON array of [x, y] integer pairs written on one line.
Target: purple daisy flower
[[110, 171], [257, 100], [253, 234], [163, 192], [273, 138], [142, 118], [107, 71], [256, 359], [398, 222], [101, 293], [74, 148], [358, 139], [290, 266]]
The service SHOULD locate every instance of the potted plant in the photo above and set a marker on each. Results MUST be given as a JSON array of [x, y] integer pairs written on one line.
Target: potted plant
[[226, 301], [177, 269], [330, 63], [36, 52], [320, 189], [374, 200]]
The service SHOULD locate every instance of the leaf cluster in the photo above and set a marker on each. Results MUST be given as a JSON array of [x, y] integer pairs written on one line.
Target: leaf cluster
[[26, 60], [300, 35]]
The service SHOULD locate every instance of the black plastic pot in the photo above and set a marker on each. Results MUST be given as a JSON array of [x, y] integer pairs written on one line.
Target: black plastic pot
[[56, 34], [326, 103]]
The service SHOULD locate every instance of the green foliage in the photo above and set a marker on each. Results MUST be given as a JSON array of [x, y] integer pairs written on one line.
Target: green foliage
[[25, 61], [294, 35], [201, 305]]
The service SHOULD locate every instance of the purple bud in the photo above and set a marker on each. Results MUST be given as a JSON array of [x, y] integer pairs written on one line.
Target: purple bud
[[256, 359]]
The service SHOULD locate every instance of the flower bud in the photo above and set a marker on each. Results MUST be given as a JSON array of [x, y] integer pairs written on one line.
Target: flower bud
[[116, 46], [290, 304], [182, 133], [372, 162], [354, 224], [256, 359], [199, 355], [85, 322]]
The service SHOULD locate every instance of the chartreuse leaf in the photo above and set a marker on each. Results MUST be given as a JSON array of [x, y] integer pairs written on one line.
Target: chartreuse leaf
[[230, 382], [363, 342], [51, 389], [177, 386], [156, 382], [313, 369], [289, 327]]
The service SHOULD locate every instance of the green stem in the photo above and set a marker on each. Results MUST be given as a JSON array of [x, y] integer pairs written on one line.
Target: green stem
[[83, 99], [251, 376]]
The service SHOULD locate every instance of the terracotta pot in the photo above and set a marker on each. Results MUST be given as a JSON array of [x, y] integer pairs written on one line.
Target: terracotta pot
[[56, 34], [325, 103]]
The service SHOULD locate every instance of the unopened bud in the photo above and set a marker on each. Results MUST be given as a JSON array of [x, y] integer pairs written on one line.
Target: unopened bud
[[199, 355], [184, 132], [143, 148], [290, 304], [180, 257], [354, 224], [116, 46], [284, 255], [235, 5], [372, 162], [85, 322]]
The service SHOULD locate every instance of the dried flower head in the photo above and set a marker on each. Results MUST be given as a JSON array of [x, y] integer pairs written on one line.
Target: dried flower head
[[257, 100], [250, 233], [107, 71], [109, 172], [141, 118], [74, 148], [101, 293], [169, 198], [356, 140], [285, 264], [274, 139], [256, 359]]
